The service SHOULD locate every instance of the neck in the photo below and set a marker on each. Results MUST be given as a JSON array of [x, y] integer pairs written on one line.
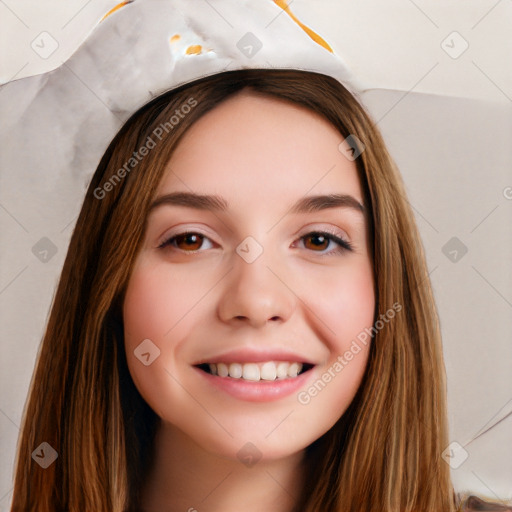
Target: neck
[[186, 478]]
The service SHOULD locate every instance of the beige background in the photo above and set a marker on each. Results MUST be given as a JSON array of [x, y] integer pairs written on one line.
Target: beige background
[[446, 115]]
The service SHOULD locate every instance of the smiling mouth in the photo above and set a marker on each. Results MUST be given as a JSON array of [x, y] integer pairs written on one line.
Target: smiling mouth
[[265, 371]]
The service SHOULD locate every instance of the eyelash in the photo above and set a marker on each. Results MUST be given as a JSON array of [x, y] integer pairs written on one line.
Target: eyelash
[[343, 245]]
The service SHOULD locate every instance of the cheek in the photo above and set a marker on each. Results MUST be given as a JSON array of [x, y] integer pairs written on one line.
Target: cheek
[[158, 306], [143, 307], [162, 306], [152, 309], [157, 301], [345, 301]]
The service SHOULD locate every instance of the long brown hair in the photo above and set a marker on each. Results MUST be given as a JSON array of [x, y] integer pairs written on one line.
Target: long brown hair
[[384, 454]]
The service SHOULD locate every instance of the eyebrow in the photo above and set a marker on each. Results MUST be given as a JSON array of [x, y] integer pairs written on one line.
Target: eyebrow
[[306, 204]]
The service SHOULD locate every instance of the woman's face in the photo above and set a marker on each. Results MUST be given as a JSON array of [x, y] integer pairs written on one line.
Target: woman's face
[[254, 288]]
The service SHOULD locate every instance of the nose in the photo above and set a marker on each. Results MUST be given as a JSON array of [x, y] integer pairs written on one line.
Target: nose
[[255, 293]]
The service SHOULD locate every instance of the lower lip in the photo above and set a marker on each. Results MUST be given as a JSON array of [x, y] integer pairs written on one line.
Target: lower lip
[[257, 391]]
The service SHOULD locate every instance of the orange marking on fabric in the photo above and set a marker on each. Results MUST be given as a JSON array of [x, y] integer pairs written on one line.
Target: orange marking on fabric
[[114, 9], [194, 49], [311, 33]]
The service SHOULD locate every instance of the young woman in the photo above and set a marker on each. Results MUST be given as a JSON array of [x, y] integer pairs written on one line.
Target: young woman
[[244, 317]]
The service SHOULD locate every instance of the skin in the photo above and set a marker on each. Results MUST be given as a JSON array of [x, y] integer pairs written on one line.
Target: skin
[[261, 155]]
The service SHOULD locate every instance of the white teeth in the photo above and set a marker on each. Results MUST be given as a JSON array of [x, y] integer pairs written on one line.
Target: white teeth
[[293, 370], [250, 371], [269, 370], [282, 370], [222, 370], [235, 370]]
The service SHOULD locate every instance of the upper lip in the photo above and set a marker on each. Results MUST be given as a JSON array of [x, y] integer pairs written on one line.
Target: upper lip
[[247, 355]]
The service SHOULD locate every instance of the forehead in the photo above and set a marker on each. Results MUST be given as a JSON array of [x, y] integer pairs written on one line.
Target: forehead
[[253, 149]]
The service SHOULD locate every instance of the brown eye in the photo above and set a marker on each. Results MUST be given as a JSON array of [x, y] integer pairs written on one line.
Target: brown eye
[[319, 241], [189, 241], [186, 242]]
